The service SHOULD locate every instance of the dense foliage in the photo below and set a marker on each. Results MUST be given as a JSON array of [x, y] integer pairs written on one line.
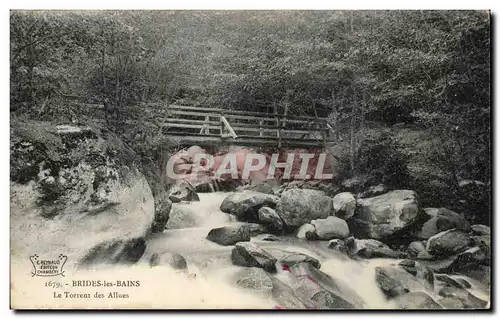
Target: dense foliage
[[426, 71]]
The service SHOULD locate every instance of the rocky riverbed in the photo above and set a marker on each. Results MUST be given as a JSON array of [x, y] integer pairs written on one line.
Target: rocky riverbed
[[284, 246]]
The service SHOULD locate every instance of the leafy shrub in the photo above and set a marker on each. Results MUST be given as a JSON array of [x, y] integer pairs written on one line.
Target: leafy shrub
[[380, 160]]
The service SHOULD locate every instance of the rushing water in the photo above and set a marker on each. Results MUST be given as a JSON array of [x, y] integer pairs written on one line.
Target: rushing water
[[208, 282]]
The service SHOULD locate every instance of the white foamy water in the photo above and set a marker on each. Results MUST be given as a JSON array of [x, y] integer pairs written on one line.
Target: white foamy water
[[208, 282]]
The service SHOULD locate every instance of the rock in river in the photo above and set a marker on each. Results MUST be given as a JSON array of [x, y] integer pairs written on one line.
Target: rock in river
[[250, 255], [299, 206], [450, 242], [383, 215], [416, 300], [354, 245], [441, 219], [115, 252], [183, 192], [380, 253], [246, 204], [344, 205], [305, 231], [296, 258], [173, 260], [228, 235], [466, 298], [255, 280], [395, 281], [326, 292], [481, 230], [232, 234], [415, 248], [268, 216], [330, 228]]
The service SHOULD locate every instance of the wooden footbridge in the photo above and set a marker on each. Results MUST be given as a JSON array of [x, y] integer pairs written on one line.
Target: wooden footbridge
[[194, 125], [202, 126]]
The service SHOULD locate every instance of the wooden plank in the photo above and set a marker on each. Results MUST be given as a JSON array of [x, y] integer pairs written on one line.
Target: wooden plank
[[199, 114], [261, 130], [239, 112], [232, 117], [188, 121], [229, 116], [217, 110], [182, 125], [214, 112]]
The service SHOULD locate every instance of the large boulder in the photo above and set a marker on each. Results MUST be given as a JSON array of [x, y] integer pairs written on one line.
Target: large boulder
[[255, 280], [381, 216], [79, 189], [344, 205], [183, 192], [268, 216], [396, 281], [250, 255], [330, 228], [442, 219], [450, 242], [299, 206], [246, 204], [416, 300]]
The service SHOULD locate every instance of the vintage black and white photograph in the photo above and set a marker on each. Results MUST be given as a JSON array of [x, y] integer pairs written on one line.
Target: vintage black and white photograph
[[250, 159]]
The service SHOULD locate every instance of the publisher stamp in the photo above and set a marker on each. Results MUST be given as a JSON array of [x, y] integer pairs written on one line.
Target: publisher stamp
[[48, 267]]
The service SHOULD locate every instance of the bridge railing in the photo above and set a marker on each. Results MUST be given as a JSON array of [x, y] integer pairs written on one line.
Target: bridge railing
[[197, 124], [225, 123]]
